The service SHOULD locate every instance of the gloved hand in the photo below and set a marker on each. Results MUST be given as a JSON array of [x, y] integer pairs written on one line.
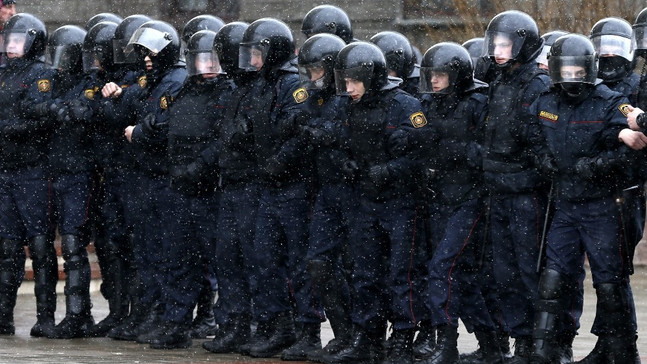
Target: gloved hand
[[149, 123], [547, 165], [46, 109], [243, 126], [379, 175], [289, 125], [398, 142], [350, 169], [79, 111], [313, 135], [589, 167]]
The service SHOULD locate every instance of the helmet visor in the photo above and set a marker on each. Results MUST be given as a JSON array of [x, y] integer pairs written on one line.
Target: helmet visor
[[15, 43], [120, 56], [639, 36], [502, 46], [436, 81], [313, 76], [93, 59], [251, 56], [202, 63], [63, 58], [344, 76], [614, 45], [542, 58], [581, 69], [151, 39]]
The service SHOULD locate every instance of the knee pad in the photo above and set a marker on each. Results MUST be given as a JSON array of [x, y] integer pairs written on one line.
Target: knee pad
[[551, 284], [72, 246], [41, 248], [612, 297]]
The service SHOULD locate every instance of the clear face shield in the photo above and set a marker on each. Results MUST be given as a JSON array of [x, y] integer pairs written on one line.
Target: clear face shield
[[542, 58], [92, 59], [313, 76], [15, 44], [640, 37], [614, 45], [571, 69], [119, 52], [251, 56], [151, 39], [62, 58], [203, 63], [435, 81], [346, 78], [501, 47]]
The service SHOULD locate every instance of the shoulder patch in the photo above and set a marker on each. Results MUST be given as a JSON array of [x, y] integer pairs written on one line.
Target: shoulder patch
[[44, 85], [548, 116], [624, 109], [164, 102], [300, 95], [89, 94], [141, 81], [418, 119]]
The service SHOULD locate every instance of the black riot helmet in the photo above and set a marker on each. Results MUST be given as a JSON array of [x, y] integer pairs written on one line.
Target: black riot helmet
[[317, 60], [97, 47], [484, 69], [28, 31], [110, 17], [514, 29], [64, 49], [474, 47], [267, 38], [124, 31], [226, 45], [573, 64], [361, 61], [549, 38], [196, 24], [447, 58], [200, 58], [327, 19], [159, 40], [614, 43], [640, 32], [397, 52]]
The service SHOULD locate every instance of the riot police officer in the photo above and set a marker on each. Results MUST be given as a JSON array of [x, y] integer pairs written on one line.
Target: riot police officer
[[327, 19], [285, 171], [196, 24], [328, 261], [98, 18], [549, 38], [516, 186], [457, 104], [70, 163], [586, 211], [24, 180], [484, 69], [400, 59], [382, 234]]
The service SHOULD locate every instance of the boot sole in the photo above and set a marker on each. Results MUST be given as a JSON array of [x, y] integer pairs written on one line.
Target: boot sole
[[165, 346]]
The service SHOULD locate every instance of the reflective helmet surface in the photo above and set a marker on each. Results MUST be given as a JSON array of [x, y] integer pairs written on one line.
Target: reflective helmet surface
[[201, 22], [613, 41], [397, 52], [110, 17], [520, 29], [361, 61], [28, 28], [97, 47], [226, 45], [474, 47], [549, 38], [327, 19], [573, 59], [317, 60], [640, 31], [446, 58], [159, 40], [200, 56], [64, 49], [124, 31], [270, 39]]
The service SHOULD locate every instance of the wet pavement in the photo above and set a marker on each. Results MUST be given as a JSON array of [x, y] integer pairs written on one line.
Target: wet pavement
[[22, 348]]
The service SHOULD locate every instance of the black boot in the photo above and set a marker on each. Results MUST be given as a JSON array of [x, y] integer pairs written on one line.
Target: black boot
[[231, 336], [489, 351], [12, 270], [151, 326], [282, 337], [333, 290], [363, 348], [204, 323], [171, 335], [446, 348], [425, 342], [78, 319], [548, 315], [112, 288], [127, 328], [43, 256], [309, 340], [565, 348], [401, 350], [522, 350], [260, 335], [617, 344]]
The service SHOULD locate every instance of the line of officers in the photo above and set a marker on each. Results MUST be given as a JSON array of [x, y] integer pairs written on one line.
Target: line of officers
[[348, 183]]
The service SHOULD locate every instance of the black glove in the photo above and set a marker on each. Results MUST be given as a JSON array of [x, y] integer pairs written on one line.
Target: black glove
[[350, 169], [590, 167], [289, 125], [47, 108], [79, 111], [547, 165], [398, 142], [243, 126], [379, 174], [313, 135], [149, 123]]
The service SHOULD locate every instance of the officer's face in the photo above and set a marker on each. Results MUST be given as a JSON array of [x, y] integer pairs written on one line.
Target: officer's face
[[257, 59], [439, 81], [205, 65], [149, 63], [15, 45], [572, 72], [502, 49], [355, 88]]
